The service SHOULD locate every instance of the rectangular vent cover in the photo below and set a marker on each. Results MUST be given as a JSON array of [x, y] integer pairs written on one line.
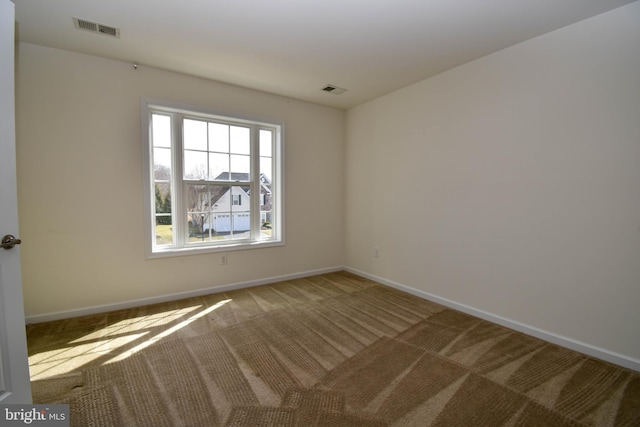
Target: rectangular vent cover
[[333, 89], [94, 27]]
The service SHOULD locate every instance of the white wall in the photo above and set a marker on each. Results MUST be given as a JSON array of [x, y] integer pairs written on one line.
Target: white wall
[[511, 184], [81, 190]]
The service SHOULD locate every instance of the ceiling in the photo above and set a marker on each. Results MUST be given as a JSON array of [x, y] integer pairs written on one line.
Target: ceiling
[[295, 48]]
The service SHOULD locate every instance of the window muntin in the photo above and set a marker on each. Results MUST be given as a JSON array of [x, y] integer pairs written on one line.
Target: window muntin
[[205, 170]]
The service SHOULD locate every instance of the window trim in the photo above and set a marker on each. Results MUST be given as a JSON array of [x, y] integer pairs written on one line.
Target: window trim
[[151, 106]]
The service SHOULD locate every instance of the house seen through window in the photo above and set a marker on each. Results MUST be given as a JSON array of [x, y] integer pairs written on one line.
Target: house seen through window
[[214, 182]]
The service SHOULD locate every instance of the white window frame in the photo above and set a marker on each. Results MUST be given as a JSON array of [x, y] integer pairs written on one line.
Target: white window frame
[[180, 246]]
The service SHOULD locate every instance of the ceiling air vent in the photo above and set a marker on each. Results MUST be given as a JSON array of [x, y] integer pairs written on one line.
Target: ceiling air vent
[[333, 89], [94, 27]]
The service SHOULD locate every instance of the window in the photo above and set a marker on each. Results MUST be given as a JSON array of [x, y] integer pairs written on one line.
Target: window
[[212, 182]]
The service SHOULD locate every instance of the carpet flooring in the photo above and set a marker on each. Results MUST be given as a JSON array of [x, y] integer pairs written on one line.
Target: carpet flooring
[[328, 350]]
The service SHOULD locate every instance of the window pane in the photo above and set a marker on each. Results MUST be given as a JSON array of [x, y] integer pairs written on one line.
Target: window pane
[[240, 165], [240, 199], [162, 164], [266, 168], [200, 227], [163, 197], [161, 130], [208, 213], [198, 200], [266, 201], [218, 166], [240, 140], [195, 135], [265, 142], [195, 164], [266, 224], [220, 198], [218, 137], [164, 230], [240, 218]]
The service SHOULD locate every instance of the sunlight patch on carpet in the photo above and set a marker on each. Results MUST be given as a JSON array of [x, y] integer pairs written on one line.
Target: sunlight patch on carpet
[[63, 361], [167, 332]]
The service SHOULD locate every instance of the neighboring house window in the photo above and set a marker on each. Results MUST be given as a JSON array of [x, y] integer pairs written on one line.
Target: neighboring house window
[[202, 173]]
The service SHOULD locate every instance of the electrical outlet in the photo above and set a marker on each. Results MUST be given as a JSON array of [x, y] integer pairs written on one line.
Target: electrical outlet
[[376, 252], [224, 259]]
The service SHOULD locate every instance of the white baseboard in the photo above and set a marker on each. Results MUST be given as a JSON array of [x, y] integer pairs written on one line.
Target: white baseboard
[[47, 317], [590, 350]]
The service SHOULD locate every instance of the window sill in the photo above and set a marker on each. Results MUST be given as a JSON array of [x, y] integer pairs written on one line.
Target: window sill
[[180, 252]]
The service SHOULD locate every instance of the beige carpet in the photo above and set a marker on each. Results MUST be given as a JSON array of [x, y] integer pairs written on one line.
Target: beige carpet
[[329, 350]]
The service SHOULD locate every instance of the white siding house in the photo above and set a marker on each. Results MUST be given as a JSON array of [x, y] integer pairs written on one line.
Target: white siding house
[[231, 212]]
